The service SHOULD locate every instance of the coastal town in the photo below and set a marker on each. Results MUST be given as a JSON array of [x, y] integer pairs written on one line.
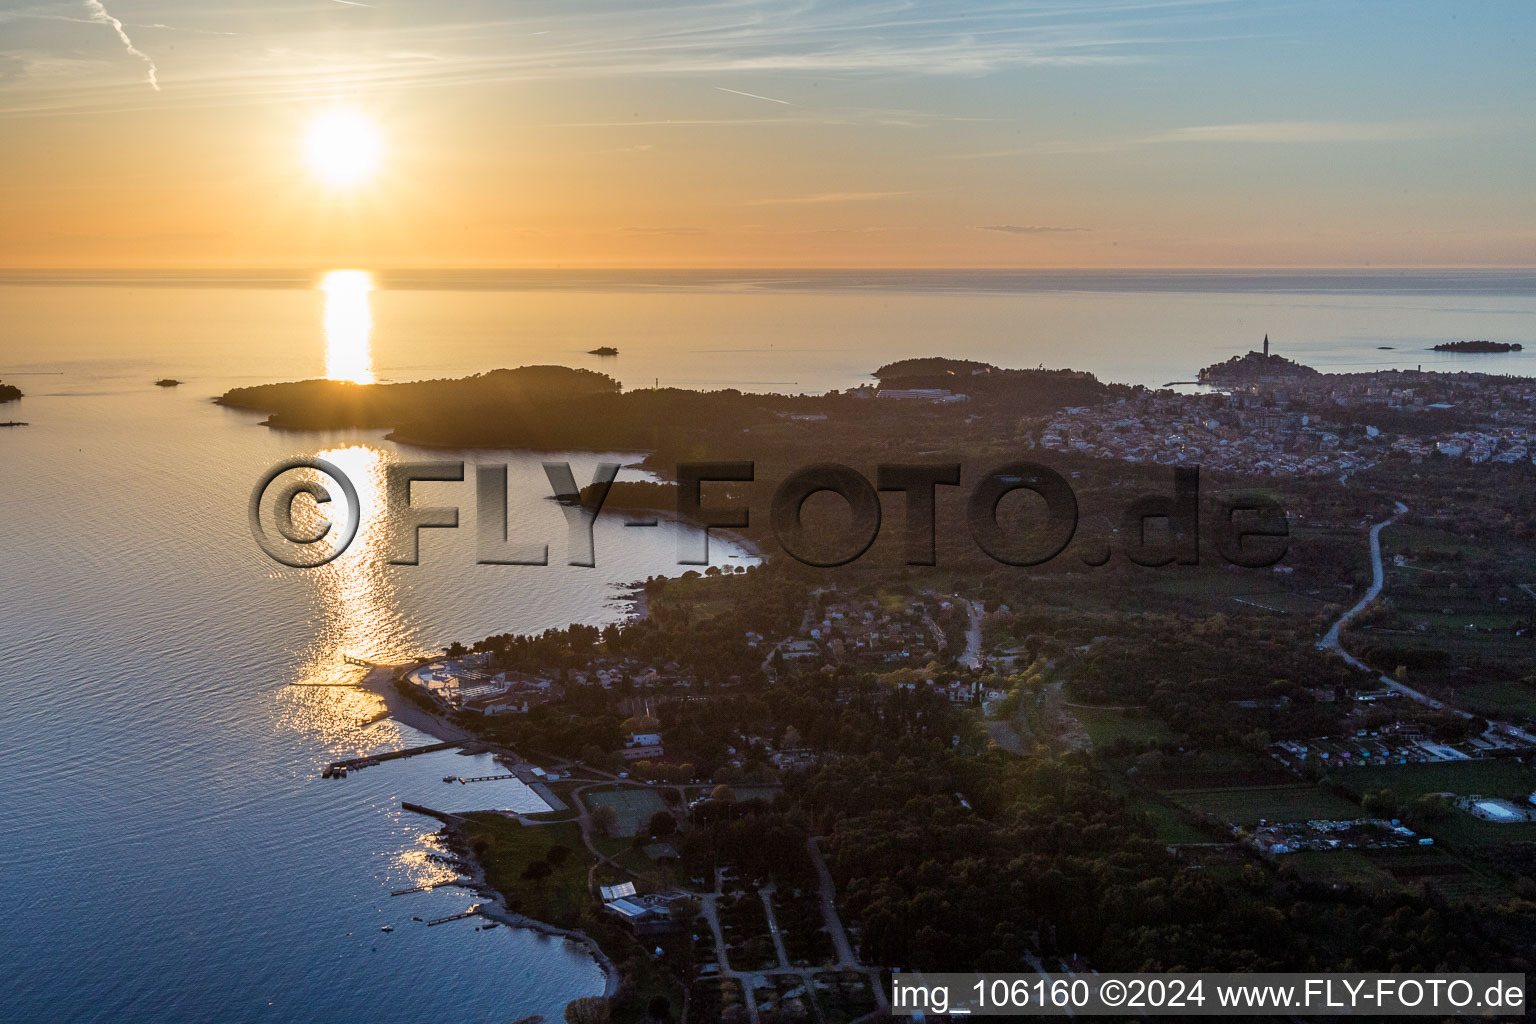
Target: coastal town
[[1273, 417]]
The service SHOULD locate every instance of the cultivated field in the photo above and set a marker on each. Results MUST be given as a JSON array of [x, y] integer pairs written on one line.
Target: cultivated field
[[632, 807], [1503, 777], [1247, 805]]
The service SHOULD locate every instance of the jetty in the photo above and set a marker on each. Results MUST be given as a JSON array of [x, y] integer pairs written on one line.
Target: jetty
[[339, 769], [471, 912], [432, 885]]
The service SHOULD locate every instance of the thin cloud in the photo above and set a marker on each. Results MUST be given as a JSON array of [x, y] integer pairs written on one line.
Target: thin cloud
[[753, 95], [723, 37], [183, 28], [99, 13], [1254, 132], [1305, 131], [827, 197], [1029, 229], [645, 232]]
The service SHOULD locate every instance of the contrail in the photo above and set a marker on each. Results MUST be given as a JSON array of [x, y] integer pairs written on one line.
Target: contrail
[[754, 95], [99, 13]]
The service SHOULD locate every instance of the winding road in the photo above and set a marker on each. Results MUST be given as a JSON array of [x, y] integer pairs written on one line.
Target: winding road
[[1331, 641]]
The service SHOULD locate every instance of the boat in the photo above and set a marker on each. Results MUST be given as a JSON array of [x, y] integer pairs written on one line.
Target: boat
[[606, 350], [450, 778], [488, 927], [387, 928]]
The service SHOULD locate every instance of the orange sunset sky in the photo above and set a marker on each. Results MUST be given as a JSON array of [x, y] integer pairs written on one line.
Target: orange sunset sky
[[150, 133]]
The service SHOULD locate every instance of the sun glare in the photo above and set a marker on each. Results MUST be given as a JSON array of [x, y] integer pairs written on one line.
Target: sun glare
[[342, 147], [348, 325]]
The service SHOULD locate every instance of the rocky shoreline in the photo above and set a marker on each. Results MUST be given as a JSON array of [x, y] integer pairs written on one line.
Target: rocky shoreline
[[381, 680], [497, 909]]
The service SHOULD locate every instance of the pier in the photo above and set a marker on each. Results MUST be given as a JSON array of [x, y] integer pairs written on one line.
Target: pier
[[471, 912], [432, 885], [340, 768]]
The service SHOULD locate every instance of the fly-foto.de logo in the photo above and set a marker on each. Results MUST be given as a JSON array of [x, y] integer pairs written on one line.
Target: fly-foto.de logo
[[1246, 530]]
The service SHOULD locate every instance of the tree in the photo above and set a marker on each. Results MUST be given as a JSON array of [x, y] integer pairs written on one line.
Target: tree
[[538, 870], [683, 911], [659, 1008], [1380, 804], [558, 854], [587, 1010], [604, 819], [455, 650], [662, 824], [723, 793]]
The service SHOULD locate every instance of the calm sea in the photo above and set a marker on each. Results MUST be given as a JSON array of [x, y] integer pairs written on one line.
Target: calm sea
[[169, 849]]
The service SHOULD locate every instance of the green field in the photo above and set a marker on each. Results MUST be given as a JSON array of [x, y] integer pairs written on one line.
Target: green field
[[633, 807], [1340, 867], [1166, 823], [1106, 725], [1498, 698], [506, 848], [1503, 777], [1246, 805]]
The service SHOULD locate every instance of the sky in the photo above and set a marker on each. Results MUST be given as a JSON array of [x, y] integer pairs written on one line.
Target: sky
[[782, 133]]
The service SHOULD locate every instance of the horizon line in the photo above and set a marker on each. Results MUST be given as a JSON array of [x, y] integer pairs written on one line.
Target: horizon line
[[629, 268]]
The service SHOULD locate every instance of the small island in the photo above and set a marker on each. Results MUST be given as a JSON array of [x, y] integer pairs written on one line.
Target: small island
[[9, 392], [1477, 346], [167, 382], [605, 350]]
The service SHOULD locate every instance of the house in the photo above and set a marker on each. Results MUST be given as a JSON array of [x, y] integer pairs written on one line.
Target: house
[[615, 892], [645, 915], [642, 745], [660, 852], [499, 705], [798, 649]]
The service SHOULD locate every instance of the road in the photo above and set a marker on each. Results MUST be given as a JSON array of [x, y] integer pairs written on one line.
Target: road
[[846, 959], [1331, 641], [972, 654], [766, 895], [840, 943]]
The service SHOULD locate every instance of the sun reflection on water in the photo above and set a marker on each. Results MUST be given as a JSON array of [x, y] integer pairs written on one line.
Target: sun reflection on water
[[425, 860], [348, 326], [356, 616]]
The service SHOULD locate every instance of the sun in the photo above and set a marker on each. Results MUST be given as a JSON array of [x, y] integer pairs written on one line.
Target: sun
[[342, 147]]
